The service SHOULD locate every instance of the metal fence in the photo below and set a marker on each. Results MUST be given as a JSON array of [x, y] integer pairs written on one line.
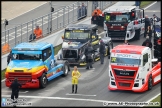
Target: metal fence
[[49, 23]]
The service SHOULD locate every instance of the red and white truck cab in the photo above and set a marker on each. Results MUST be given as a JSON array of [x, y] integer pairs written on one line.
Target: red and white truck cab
[[131, 68]]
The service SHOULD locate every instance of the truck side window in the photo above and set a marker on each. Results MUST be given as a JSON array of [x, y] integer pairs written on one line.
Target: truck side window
[[145, 59], [47, 53]]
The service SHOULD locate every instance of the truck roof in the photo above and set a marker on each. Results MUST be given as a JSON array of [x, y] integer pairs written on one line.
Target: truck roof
[[129, 49], [120, 8], [32, 46], [81, 26]]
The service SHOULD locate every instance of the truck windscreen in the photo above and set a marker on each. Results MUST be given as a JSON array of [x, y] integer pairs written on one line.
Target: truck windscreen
[[77, 34], [125, 61], [21, 56], [114, 17]]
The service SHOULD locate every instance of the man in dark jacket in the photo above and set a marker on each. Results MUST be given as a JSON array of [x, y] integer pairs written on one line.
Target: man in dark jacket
[[9, 57], [147, 43], [102, 51], [88, 54], [147, 23], [15, 90]]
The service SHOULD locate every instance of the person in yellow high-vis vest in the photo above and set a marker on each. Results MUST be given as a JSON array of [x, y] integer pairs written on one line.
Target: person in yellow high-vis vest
[[75, 75]]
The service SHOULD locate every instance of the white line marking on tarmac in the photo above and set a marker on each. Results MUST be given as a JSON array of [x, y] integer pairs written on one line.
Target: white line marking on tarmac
[[10, 92], [150, 5], [61, 98], [79, 94], [151, 99]]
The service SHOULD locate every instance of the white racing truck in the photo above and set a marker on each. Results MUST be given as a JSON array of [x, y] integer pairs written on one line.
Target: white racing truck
[[124, 22]]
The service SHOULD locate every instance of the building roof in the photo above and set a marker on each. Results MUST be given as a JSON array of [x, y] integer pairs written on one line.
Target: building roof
[[32, 46], [81, 26], [120, 8], [129, 49]]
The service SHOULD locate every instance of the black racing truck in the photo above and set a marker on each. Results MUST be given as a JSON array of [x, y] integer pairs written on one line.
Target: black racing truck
[[75, 40]]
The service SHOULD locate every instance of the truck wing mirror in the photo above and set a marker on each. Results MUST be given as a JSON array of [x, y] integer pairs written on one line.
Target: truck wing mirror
[[96, 32], [99, 37], [154, 60]]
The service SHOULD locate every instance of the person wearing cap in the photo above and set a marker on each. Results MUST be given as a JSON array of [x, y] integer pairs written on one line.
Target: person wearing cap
[[102, 51], [15, 90], [88, 53], [147, 42], [38, 32]]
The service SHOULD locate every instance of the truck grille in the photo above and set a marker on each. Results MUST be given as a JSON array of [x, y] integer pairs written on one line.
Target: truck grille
[[124, 73], [117, 34], [22, 77], [121, 78], [70, 53], [124, 84]]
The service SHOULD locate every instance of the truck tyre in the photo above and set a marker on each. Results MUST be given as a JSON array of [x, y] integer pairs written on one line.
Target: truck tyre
[[65, 69], [110, 47], [137, 34], [150, 82], [43, 81]]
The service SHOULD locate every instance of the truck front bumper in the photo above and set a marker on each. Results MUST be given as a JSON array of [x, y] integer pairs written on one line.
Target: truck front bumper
[[32, 84], [112, 86]]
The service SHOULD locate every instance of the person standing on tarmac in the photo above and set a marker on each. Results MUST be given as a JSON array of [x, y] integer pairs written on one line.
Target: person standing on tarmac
[[102, 51], [75, 75], [15, 90], [95, 19], [147, 23], [88, 54], [147, 42]]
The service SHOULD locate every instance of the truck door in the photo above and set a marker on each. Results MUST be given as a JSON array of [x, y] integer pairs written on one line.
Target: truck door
[[47, 57], [145, 64]]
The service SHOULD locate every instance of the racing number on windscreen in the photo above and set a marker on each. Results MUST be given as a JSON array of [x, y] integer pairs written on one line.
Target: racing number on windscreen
[[67, 34], [107, 17], [113, 59]]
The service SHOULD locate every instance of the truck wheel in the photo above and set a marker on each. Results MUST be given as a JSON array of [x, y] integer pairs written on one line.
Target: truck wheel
[[65, 69], [43, 81], [137, 34], [150, 82], [110, 47]]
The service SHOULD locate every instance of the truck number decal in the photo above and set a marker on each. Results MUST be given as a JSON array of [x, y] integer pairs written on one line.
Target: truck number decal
[[113, 59], [52, 63], [107, 17]]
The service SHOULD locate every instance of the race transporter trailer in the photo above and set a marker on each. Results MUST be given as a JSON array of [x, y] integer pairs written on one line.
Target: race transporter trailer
[[124, 22], [34, 64], [131, 68], [75, 40]]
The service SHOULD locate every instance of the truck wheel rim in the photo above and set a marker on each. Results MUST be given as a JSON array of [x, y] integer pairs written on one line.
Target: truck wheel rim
[[66, 69], [44, 80]]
